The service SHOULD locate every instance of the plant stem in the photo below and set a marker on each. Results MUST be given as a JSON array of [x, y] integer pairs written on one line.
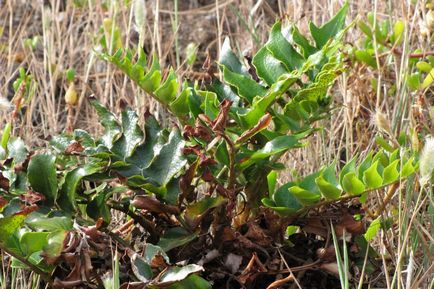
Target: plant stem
[[34, 268], [387, 199]]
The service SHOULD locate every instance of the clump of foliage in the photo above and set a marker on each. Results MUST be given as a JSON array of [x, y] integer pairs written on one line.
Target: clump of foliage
[[209, 181]]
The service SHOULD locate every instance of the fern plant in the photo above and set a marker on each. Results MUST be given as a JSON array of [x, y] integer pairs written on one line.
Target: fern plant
[[213, 175]]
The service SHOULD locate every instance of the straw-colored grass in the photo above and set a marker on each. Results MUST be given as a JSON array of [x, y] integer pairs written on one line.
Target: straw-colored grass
[[67, 36]]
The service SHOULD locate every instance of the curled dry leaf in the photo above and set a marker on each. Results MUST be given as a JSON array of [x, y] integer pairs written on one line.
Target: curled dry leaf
[[350, 225], [276, 284], [74, 148], [32, 197], [326, 254], [252, 270], [258, 235], [153, 205], [4, 182]]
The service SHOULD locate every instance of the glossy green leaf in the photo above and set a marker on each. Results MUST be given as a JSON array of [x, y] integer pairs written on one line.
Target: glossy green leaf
[[67, 199], [9, 224], [141, 269], [372, 178], [167, 91], [109, 122], [40, 222], [55, 243], [282, 49], [260, 105], [245, 86], [268, 67], [174, 274], [352, 185], [192, 281], [17, 150], [42, 176], [175, 237], [350, 166], [179, 106], [131, 136], [169, 161], [275, 146], [271, 181], [322, 34], [230, 60], [32, 242]]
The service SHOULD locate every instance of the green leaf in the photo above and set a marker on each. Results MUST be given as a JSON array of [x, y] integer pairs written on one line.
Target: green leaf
[[275, 146], [352, 185], [42, 176], [17, 150], [196, 209], [131, 136], [179, 106], [68, 193], [322, 34], [55, 243], [174, 274], [32, 242], [97, 207], [424, 66], [151, 81], [230, 60], [175, 237], [429, 79], [267, 66], [328, 190], [305, 197], [9, 224], [398, 30], [6, 135], [372, 178], [282, 49], [408, 168], [39, 222], [384, 144], [109, 122], [167, 91], [365, 57], [260, 105], [271, 180], [291, 230], [169, 161], [373, 229], [350, 166], [391, 173], [302, 42], [192, 281], [245, 86], [141, 269]]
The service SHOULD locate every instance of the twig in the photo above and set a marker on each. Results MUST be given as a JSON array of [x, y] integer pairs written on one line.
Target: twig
[[141, 220], [387, 199]]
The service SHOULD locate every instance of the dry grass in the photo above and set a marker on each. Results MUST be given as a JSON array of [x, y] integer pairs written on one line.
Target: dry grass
[[67, 35]]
